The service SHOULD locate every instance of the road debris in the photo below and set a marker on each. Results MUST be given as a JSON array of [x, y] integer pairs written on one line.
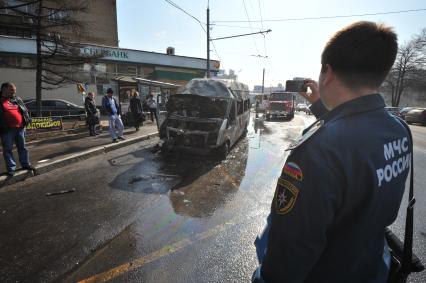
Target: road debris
[[156, 148], [136, 179], [60, 192], [164, 175]]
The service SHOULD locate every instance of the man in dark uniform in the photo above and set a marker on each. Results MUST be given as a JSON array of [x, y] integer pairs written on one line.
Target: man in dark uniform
[[343, 182]]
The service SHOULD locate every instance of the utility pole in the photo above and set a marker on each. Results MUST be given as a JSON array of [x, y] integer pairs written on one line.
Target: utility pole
[[39, 56], [263, 80], [208, 42]]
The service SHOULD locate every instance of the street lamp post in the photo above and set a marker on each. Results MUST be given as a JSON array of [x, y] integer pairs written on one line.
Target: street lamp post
[[208, 42]]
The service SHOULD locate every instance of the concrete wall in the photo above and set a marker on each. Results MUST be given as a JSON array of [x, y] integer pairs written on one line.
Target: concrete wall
[[25, 85], [100, 23]]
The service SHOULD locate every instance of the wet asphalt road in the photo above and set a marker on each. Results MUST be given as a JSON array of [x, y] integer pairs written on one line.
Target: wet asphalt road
[[137, 217]]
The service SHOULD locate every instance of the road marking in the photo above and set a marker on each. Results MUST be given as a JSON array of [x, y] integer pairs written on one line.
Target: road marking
[[167, 250]]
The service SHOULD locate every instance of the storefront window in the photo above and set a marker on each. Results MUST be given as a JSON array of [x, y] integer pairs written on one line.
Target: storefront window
[[27, 62], [111, 69], [8, 61], [126, 69]]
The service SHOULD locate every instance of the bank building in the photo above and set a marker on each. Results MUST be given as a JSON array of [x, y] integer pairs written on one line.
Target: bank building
[[121, 69]]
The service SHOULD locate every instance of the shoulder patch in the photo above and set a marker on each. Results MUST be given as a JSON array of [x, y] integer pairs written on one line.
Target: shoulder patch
[[312, 130], [293, 170], [286, 195]]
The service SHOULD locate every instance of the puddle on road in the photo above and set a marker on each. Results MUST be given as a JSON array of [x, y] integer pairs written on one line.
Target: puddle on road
[[196, 185], [208, 184], [192, 188]]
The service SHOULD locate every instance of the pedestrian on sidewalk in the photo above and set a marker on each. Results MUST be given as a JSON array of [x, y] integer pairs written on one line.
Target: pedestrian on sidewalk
[[152, 105], [111, 107], [136, 109], [14, 117], [92, 118]]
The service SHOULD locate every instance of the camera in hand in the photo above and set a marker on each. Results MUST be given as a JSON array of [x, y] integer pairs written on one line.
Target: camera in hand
[[296, 86]]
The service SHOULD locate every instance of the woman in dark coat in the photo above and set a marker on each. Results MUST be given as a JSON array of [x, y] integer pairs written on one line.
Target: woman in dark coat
[[91, 113], [136, 109]]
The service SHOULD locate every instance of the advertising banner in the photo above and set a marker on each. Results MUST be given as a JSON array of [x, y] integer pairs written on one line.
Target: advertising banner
[[45, 124]]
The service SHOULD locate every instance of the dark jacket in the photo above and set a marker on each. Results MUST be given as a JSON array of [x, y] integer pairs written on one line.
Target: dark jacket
[[89, 105], [107, 107], [136, 105], [342, 184], [26, 119]]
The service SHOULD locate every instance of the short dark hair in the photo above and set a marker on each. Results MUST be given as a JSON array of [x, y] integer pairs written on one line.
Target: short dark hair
[[109, 90], [361, 54], [6, 84]]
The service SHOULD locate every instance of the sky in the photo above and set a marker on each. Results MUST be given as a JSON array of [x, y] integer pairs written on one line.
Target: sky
[[293, 48]]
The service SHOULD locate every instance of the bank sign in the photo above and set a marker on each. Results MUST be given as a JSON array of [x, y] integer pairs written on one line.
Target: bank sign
[[105, 53], [28, 46]]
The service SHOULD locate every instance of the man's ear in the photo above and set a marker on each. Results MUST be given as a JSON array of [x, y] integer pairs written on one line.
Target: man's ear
[[329, 75]]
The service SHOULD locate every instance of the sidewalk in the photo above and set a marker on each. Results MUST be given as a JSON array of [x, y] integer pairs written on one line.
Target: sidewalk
[[50, 151]]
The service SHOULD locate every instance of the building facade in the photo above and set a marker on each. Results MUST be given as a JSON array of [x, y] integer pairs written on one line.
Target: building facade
[[98, 37], [98, 20], [17, 63]]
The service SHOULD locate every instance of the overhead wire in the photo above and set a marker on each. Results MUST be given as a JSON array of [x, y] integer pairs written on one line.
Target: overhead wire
[[184, 11], [232, 26], [322, 17], [261, 23], [248, 18], [196, 19]]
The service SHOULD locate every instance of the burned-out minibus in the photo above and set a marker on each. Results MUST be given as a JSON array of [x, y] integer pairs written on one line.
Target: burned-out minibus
[[207, 116]]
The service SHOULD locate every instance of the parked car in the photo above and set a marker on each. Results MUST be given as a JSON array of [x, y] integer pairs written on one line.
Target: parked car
[[393, 111], [303, 107], [405, 110], [417, 115], [56, 107]]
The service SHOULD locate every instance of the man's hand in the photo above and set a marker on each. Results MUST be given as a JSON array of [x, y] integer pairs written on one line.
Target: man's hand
[[313, 96]]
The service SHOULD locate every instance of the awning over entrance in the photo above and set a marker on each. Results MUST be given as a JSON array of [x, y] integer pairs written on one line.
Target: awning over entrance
[[127, 79]]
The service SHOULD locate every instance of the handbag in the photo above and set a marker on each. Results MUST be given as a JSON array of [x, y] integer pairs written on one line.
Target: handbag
[[403, 260]]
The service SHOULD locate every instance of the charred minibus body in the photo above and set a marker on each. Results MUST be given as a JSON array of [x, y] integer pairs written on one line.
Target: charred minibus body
[[206, 116]]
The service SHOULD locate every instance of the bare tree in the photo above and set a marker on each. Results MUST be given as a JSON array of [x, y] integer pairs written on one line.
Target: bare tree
[[409, 68], [58, 59]]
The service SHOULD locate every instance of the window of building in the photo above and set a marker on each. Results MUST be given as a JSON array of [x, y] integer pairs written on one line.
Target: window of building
[[126, 69], [132, 70], [29, 8], [55, 15], [9, 61], [111, 69], [26, 62]]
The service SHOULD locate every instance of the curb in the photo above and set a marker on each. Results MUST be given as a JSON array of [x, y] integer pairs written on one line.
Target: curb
[[74, 133], [47, 167]]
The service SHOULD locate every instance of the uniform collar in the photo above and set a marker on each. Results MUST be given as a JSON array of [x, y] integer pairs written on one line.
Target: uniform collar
[[356, 106]]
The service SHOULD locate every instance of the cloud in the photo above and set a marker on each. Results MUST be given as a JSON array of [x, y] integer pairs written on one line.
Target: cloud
[[161, 34]]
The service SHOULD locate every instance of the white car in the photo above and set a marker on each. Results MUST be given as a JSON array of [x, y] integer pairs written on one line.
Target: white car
[[303, 107]]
